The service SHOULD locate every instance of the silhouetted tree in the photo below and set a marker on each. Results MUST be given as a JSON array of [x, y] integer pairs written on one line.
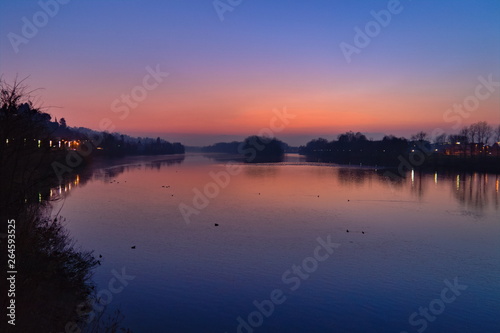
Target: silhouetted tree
[[420, 136], [223, 147], [440, 139], [351, 137], [484, 132], [62, 123], [497, 134], [258, 149]]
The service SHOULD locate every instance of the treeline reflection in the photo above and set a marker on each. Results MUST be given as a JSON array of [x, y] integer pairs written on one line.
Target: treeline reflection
[[477, 191], [473, 191], [56, 191], [55, 277]]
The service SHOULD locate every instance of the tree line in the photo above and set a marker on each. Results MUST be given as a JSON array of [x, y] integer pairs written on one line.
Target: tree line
[[24, 126], [477, 140]]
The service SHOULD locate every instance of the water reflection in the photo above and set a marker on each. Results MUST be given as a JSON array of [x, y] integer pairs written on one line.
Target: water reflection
[[355, 176], [263, 171], [266, 217], [475, 191], [419, 183], [103, 171], [224, 158], [54, 278], [162, 163]]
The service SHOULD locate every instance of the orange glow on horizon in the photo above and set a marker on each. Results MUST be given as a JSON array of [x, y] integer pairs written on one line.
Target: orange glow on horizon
[[208, 110]]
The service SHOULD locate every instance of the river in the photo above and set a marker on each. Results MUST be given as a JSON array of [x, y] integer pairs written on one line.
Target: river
[[202, 244]]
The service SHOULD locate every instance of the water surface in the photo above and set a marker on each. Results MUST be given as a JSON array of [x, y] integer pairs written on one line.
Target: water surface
[[405, 239]]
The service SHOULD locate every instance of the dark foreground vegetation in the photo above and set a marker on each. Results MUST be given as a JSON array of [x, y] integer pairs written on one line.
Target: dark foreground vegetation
[[53, 288]]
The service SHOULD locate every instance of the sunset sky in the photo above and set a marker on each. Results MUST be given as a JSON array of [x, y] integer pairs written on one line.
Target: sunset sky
[[227, 76]]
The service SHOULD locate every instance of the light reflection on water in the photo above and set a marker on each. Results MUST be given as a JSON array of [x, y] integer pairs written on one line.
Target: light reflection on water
[[406, 237]]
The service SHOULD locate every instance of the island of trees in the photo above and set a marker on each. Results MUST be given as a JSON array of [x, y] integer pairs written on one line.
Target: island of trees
[[254, 149]]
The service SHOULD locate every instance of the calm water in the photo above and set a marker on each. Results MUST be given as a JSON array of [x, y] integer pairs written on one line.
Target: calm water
[[405, 239]]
